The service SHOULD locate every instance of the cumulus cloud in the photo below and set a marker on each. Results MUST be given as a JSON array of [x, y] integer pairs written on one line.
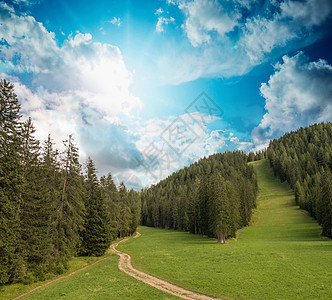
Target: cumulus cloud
[[291, 20], [162, 21], [308, 13], [298, 94], [27, 42], [204, 17], [94, 72], [80, 88], [229, 38]]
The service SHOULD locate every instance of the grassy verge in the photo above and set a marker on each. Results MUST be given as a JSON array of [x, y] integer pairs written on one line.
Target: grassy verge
[[100, 281], [280, 256], [13, 290]]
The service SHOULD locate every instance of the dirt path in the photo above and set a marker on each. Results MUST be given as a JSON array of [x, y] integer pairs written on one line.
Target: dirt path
[[125, 266], [58, 279]]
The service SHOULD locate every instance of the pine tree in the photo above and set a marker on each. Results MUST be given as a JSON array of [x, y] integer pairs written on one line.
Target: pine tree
[[135, 210], [325, 205], [96, 233], [71, 206], [51, 188], [124, 221], [11, 260], [35, 213], [112, 200]]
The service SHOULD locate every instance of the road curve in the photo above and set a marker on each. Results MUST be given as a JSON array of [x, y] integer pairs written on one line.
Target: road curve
[[125, 266]]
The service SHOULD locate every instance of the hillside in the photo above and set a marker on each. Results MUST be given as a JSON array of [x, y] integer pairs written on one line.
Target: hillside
[[304, 159], [280, 256], [214, 196]]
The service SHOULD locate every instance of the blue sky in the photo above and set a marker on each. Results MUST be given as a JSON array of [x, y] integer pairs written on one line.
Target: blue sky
[[119, 75]]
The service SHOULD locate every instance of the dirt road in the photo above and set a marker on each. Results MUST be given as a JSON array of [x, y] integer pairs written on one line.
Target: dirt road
[[125, 266]]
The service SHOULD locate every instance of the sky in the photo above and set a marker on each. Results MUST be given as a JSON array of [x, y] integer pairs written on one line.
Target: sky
[[149, 87]]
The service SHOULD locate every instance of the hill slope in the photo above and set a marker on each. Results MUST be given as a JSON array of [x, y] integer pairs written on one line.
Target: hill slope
[[281, 256], [304, 159]]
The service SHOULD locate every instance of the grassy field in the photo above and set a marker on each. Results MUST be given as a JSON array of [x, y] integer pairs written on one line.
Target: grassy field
[[280, 256], [101, 281]]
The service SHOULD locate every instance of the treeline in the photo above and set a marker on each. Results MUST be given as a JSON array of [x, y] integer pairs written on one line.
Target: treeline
[[49, 210], [258, 155], [214, 196], [304, 159]]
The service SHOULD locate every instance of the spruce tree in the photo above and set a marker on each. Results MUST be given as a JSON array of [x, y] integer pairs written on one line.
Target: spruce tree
[[325, 205], [51, 187], [71, 205], [96, 232], [35, 213], [112, 200], [125, 215], [11, 260]]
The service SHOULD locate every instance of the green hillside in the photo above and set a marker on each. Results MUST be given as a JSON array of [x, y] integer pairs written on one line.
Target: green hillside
[[280, 256]]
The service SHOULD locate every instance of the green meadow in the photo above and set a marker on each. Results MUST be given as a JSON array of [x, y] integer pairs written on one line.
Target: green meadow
[[279, 256], [102, 281]]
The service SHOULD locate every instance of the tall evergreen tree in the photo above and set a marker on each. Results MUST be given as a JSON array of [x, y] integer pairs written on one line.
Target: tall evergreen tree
[[325, 204], [35, 212], [71, 207], [11, 260], [125, 215], [112, 200], [51, 186], [96, 233]]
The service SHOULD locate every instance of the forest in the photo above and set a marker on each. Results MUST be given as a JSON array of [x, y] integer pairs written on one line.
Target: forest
[[214, 196], [304, 159], [50, 210]]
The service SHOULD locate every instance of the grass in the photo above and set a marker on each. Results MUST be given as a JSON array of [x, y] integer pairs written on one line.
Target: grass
[[13, 290], [101, 281], [280, 256]]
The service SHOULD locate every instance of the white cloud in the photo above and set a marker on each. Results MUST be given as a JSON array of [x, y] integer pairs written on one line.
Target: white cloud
[[28, 43], [115, 21], [298, 94], [263, 34], [205, 17], [163, 21], [308, 13], [79, 38], [80, 88], [229, 38], [26, 2], [94, 72], [171, 2], [245, 3], [159, 11], [168, 145]]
